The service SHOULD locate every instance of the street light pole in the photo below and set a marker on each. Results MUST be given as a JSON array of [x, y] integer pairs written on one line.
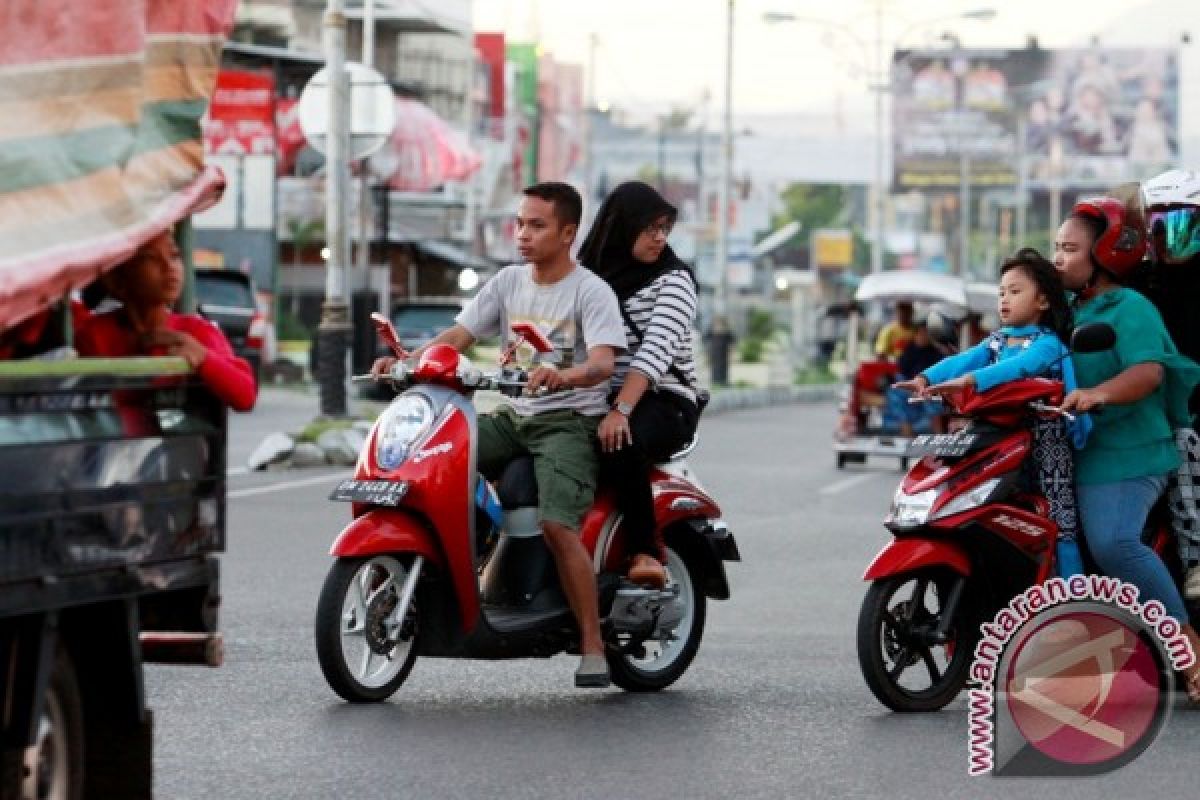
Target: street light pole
[[334, 326], [879, 188], [721, 300], [964, 172]]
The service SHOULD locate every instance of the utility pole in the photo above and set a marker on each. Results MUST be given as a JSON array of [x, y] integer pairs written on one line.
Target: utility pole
[[721, 301], [880, 191], [334, 327], [588, 163]]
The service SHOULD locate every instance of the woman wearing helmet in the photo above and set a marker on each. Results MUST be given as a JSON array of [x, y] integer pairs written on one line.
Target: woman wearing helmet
[[1145, 383]]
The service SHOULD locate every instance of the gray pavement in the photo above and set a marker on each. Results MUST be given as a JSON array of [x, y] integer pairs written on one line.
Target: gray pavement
[[773, 706]]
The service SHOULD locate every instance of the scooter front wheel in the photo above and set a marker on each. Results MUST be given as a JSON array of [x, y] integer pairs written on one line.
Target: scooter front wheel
[[907, 666], [366, 640], [657, 663]]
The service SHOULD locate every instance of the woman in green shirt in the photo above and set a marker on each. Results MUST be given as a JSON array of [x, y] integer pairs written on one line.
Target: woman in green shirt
[[1143, 383]]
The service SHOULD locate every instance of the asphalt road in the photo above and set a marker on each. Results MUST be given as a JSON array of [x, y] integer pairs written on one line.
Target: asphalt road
[[773, 706]]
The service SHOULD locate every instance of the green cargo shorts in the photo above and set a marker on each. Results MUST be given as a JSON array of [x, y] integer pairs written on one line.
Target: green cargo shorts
[[563, 446]]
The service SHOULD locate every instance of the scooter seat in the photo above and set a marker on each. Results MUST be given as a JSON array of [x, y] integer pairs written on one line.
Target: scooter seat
[[517, 487]]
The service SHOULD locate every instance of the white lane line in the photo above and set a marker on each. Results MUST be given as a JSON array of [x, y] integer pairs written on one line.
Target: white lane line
[[284, 486], [846, 483], [233, 471]]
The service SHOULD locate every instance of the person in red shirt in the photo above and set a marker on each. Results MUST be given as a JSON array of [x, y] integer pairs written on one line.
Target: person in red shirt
[[148, 286]]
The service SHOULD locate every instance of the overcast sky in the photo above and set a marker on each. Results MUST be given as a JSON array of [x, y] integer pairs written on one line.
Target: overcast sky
[[654, 54]]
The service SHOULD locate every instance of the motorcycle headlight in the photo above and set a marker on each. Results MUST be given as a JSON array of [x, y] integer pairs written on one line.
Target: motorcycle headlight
[[972, 498], [402, 424], [912, 509]]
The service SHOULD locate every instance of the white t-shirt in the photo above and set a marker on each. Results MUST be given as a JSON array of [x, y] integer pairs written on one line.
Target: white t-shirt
[[577, 313]]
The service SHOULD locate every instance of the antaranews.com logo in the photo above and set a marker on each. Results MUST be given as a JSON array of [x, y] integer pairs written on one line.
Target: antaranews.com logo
[[1073, 677]]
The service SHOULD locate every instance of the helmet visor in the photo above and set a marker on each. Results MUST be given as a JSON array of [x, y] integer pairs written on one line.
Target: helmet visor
[[1175, 234]]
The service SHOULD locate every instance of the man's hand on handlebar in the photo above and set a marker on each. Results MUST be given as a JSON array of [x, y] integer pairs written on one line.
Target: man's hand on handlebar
[[383, 366], [546, 378]]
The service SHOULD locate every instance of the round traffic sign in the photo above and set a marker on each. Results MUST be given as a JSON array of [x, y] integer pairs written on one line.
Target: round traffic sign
[[372, 110]]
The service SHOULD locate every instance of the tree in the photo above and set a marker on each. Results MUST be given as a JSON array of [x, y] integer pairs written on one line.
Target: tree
[[814, 205]]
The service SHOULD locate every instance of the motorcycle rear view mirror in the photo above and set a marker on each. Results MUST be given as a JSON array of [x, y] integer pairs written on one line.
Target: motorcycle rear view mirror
[[387, 332], [530, 333], [1094, 337]]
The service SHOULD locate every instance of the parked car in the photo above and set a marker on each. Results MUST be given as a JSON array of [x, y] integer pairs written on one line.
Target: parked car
[[227, 298], [417, 322]]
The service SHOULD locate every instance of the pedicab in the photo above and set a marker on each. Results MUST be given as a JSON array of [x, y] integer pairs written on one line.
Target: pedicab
[[112, 471], [865, 428]]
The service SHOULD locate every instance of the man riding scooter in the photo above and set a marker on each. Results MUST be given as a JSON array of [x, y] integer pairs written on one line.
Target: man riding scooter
[[578, 313]]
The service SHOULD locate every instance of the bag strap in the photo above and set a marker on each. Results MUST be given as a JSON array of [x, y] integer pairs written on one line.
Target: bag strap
[[674, 370]]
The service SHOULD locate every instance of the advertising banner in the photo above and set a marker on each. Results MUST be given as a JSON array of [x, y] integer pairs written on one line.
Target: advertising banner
[[1081, 119]]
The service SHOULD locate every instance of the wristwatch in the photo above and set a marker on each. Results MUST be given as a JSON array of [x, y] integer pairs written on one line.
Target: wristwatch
[[624, 409]]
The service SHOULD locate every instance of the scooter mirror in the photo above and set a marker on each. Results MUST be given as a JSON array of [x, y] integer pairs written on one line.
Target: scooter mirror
[[387, 332], [533, 335], [1093, 337]]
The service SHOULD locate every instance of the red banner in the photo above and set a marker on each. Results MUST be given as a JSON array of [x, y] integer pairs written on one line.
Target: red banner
[[241, 119]]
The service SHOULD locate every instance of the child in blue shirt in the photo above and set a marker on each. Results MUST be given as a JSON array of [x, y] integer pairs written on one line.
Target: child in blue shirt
[[1036, 319]]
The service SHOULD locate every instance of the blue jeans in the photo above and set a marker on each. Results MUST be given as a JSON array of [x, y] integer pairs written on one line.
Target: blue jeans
[[1113, 516]]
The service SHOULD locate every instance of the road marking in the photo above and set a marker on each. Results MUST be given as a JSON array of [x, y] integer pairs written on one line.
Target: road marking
[[234, 471], [845, 483], [285, 485]]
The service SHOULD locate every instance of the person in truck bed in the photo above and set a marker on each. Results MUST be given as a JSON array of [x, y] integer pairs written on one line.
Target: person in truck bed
[[147, 286]]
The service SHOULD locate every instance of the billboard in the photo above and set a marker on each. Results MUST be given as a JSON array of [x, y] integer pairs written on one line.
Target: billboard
[[1083, 119]]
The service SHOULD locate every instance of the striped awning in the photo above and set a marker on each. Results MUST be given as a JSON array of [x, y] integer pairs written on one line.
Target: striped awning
[[100, 143]]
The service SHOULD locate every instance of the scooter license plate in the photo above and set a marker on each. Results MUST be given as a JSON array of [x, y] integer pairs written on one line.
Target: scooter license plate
[[376, 493], [944, 445]]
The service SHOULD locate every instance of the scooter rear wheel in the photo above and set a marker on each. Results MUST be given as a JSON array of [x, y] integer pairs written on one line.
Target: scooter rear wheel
[[365, 650], [902, 667], [661, 663]]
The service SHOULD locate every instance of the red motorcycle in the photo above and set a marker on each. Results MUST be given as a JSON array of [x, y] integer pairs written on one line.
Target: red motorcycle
[[438, 562], [970, 533]]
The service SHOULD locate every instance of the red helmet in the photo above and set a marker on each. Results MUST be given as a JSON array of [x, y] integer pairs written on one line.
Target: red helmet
[[1122, 241]]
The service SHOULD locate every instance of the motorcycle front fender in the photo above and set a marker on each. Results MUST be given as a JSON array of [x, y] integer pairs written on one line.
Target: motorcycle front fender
[[386, 531], [909, 554]]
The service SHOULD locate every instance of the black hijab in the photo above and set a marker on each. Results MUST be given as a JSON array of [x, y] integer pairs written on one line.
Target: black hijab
[[608, 249]]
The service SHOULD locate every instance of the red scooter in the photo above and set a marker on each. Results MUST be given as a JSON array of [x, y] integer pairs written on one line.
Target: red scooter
[[438, 562], [970, 533]]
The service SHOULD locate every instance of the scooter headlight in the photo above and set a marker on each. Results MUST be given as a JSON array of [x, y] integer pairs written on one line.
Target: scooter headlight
[[402, 424], [910, 510], [972, 498]]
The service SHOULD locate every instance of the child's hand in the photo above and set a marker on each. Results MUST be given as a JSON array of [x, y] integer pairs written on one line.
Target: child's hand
[[954, 386], [178, 343], [915, 385]]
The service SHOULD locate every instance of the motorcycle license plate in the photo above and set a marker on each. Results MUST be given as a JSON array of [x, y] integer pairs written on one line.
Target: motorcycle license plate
[[945, 445], [376, 493]]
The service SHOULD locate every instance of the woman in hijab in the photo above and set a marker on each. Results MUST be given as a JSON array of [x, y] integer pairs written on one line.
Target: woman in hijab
[[654, 407]]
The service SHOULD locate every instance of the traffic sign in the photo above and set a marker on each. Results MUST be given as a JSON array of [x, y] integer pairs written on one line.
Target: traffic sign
[[372, 110]]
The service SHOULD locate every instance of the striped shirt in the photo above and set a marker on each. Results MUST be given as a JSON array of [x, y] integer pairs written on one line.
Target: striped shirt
[[664, 312]]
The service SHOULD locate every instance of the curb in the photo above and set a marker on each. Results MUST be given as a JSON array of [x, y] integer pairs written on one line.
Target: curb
[[738, 399]]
